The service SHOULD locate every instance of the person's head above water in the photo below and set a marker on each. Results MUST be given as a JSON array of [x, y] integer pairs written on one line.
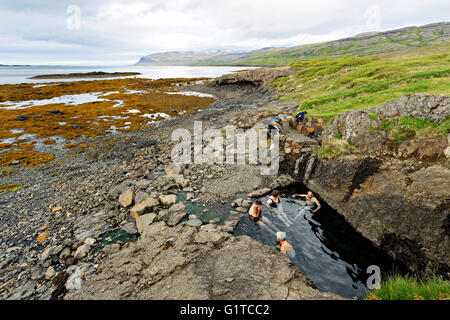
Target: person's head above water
[[275, 193], [258, 202], [281, 236], [310, 194], [285, 246]]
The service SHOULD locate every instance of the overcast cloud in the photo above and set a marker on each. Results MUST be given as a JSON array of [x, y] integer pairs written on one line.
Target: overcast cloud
[[106, 32]]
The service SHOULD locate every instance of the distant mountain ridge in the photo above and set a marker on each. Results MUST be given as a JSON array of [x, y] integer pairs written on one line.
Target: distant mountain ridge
[[191, 57], [363, 44]]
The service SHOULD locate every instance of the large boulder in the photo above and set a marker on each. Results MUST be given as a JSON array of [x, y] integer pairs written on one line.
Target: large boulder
[[194, 221], [174, 215], [90, 226], [153, 229], [82, 251], [282, 181], [182, 263], [115, 191], [349, 125], [144, 221], [141, 196], [143, 184], [259, 193], [426, 106], [145, 206], [370, 141]]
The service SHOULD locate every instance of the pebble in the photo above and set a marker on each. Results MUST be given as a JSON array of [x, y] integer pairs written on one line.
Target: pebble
[[189, 196], [49, 273], [42, 237], [64, 253], [82, 251], [168, 200], [89, 241], [43, 227], [194, 222], [126, 198]]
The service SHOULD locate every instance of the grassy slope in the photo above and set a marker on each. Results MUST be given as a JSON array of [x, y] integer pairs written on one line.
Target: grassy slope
[[408, 288], [362, 45], [395, 41], [328, 87]]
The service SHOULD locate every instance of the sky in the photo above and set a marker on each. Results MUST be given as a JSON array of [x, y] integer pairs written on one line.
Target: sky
[[119, 32]]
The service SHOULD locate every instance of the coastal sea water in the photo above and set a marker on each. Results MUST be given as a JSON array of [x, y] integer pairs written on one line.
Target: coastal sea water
[[66, 99], [21, 74]]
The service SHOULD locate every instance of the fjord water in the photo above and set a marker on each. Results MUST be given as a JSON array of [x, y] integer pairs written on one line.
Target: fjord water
[[327, 249], [20, 74]]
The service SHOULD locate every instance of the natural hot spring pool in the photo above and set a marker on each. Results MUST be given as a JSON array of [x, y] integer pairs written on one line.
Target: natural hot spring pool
[[327, 249]]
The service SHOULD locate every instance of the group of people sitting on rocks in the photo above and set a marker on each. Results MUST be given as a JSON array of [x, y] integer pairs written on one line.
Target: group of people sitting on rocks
[[274, 203], [275, 124]]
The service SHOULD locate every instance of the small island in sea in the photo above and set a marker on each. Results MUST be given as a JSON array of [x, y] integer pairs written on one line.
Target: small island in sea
[[95, 74]]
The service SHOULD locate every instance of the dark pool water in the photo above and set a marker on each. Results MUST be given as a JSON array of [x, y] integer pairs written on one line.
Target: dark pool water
[[327, 249]]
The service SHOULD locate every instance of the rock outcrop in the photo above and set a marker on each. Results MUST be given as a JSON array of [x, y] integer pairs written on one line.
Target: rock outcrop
[[401, 210], [398, 202], [354, 125], [259, 76], [186, 263], [427, 106]]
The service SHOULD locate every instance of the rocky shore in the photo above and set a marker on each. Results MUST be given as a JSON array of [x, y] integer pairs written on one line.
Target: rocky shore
[[113, 212], [114, 221]]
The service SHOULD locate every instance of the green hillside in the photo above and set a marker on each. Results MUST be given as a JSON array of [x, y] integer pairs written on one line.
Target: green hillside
[[362, 45], [360, 72], [398, 40], [327, 87]]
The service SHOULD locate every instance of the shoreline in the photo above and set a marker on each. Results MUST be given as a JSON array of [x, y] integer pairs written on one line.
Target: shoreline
[[22, 75], [79, 182], [40, 118], [94, 74], [82, 182]]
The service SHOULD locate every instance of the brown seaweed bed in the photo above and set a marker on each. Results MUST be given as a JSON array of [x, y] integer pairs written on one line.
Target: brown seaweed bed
[[111, 106]]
